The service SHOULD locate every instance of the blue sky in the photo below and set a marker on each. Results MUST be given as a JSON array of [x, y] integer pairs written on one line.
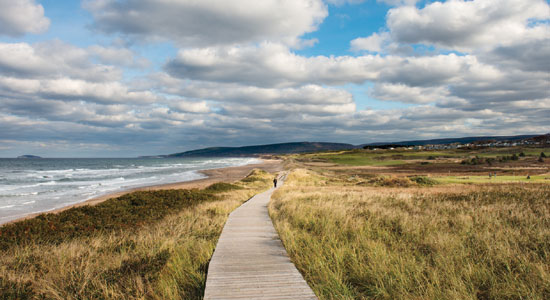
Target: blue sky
[[127, 77]]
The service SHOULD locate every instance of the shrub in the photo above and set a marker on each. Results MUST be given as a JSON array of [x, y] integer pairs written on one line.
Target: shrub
[[423, 180], [391, 181], [522, 154], [542, 155], [220, 187]]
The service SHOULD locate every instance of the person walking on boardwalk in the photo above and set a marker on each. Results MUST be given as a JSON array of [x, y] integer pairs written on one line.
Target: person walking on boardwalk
[[275, 182]]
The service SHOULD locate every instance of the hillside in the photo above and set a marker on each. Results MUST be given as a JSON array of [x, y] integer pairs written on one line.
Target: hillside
[[462, 140], [283, 148]]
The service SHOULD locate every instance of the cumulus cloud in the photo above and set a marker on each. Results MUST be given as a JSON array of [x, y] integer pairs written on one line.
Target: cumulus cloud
[[468, 25], [52, 59], [372, 43], [118, 56], [273, 65], [408, 94], [236, 77], [22, 16], [398, 2], [209, 22], [342, 2]]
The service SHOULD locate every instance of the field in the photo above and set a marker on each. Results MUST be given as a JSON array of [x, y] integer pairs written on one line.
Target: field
[[409, 230], [144, 245]]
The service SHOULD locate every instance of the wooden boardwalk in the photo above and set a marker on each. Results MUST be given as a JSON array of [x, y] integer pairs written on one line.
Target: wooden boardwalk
[[250, 261]]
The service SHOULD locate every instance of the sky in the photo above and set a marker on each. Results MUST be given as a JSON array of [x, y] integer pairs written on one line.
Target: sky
[[123, 78]]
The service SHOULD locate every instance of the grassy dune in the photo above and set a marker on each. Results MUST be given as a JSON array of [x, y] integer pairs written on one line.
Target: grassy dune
[[144, 245], [439, 242]]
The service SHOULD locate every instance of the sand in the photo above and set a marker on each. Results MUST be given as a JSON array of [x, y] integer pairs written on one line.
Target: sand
[[229, 174]]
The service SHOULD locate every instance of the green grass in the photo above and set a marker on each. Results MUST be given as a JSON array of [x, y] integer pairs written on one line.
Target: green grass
[[386, 157], [497, 180], [359, 159]]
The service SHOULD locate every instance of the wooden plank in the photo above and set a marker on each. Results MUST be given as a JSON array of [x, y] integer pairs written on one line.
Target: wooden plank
[[250, 261]]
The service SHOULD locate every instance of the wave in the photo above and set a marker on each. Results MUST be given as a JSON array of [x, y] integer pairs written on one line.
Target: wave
[[59, 183]]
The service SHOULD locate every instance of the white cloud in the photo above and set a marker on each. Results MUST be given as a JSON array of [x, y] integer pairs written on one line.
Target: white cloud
[[18, 17], [398, 2], [373, 43], [210, 22], [273, 65], [52, 59], [118, 56], [407, 94], [190, 106], [342, 2], [468, 25]]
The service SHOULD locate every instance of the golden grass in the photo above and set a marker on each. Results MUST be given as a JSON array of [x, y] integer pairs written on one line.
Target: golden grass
[[164, 260], [441, 242]]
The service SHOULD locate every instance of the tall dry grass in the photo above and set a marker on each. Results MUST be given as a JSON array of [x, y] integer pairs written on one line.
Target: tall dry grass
[[353, 242], [164, 259]]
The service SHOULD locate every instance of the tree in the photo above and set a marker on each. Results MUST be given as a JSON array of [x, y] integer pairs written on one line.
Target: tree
[[542, 155]]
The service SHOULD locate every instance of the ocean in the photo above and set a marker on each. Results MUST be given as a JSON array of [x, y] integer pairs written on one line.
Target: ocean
[[37, 185]]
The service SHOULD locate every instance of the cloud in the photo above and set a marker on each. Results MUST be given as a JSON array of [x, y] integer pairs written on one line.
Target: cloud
[[372, 43], [189, 106], [273, 65], [398, 2], [117, 56], [468, 25], [243, 82], [342, 2], [407, 94], [209, 22], [52, 59], [18, 17]]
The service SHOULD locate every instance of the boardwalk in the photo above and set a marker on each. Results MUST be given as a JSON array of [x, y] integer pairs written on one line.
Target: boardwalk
[[250, 261]]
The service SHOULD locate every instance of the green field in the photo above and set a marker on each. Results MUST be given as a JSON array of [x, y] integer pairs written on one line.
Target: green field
[[498, 179]]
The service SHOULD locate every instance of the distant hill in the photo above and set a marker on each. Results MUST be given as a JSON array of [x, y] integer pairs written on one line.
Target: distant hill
[[301, 147], [284, 148], [28, 156], [463, 140]]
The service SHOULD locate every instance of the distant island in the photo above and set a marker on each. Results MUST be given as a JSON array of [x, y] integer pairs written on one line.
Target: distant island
[[303, 147], [28, 156]]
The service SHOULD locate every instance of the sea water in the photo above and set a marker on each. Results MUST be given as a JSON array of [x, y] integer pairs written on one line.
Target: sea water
[[36, 185]]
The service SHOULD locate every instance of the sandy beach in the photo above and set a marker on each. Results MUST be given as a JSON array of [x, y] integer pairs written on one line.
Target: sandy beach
[[229, 174]]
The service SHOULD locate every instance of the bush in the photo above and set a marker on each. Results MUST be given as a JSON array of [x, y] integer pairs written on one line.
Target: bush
[[423, 180], [522, 154], [391, 181], [542, 155], [220, 187], [514, 157]]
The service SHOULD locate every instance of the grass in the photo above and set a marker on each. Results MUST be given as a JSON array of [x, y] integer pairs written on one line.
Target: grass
[[499, 179], [359, 157], [144, 245], [439, 242]]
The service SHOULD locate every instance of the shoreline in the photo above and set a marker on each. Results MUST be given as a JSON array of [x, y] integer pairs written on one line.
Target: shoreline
[[228, 174]]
